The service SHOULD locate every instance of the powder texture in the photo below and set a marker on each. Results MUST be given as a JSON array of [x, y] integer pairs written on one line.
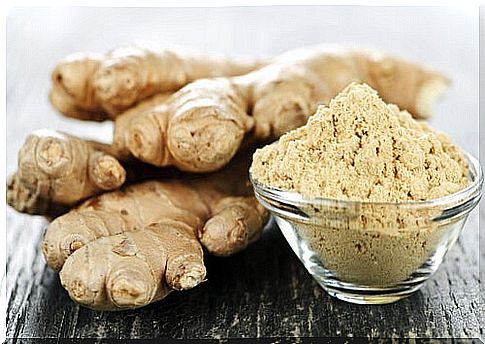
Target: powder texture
[[360, 148], [371, 257]]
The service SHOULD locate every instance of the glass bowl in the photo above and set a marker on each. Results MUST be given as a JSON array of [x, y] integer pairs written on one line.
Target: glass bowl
[[367, 252]]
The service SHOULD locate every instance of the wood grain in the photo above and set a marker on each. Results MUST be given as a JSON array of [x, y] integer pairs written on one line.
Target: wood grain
[[263, 291]]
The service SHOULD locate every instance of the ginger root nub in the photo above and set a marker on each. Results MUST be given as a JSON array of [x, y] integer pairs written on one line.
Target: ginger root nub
[[56, 171], [237, 222]]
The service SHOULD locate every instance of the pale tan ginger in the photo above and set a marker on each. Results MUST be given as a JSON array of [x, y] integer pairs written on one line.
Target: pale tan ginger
[[57, 170], [360, 148], [131, 247], [202, 126], [198, 129], [98, 87]]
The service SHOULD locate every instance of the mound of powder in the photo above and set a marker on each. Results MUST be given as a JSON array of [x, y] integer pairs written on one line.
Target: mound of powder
[[360, 148]]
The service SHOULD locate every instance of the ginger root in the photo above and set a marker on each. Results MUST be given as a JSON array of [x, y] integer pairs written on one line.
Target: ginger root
[[98, 87], [128, 248], [56, 171], [134, 269], [201, 127], [197, 125]]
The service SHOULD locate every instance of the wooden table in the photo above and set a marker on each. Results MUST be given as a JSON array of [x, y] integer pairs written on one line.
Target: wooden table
[[264, 291]]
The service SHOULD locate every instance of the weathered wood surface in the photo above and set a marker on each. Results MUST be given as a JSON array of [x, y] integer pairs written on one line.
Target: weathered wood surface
[[264, 291]]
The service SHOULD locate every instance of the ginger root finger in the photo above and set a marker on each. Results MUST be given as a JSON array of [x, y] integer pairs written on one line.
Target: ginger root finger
[[282, 98], [120, 211], [75, 229], [133, 269], [105, 171], [208, 124], [134, 73], [99, 87], [72, 91], [123, 123], [198, 129], [236, 223], [56, 169]]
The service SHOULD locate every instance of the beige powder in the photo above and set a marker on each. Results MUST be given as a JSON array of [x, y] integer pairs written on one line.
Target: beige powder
[[362, 149]]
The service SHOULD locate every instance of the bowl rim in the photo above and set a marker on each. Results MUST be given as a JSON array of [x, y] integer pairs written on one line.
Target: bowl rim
[[472, 190]]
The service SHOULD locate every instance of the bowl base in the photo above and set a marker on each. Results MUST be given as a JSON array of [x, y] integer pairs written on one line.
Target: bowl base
[[369, 297]]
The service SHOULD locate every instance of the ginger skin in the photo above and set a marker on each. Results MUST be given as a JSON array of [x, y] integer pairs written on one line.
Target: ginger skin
[[128, 248], [56, 171], [134, 269], [98, 87], [201, 127], [198, 124]]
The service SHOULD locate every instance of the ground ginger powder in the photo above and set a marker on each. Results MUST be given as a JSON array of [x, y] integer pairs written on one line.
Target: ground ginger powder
[[359, 148]]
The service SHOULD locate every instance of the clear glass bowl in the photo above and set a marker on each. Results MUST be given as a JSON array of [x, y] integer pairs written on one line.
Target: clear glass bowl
[[366, 252]]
